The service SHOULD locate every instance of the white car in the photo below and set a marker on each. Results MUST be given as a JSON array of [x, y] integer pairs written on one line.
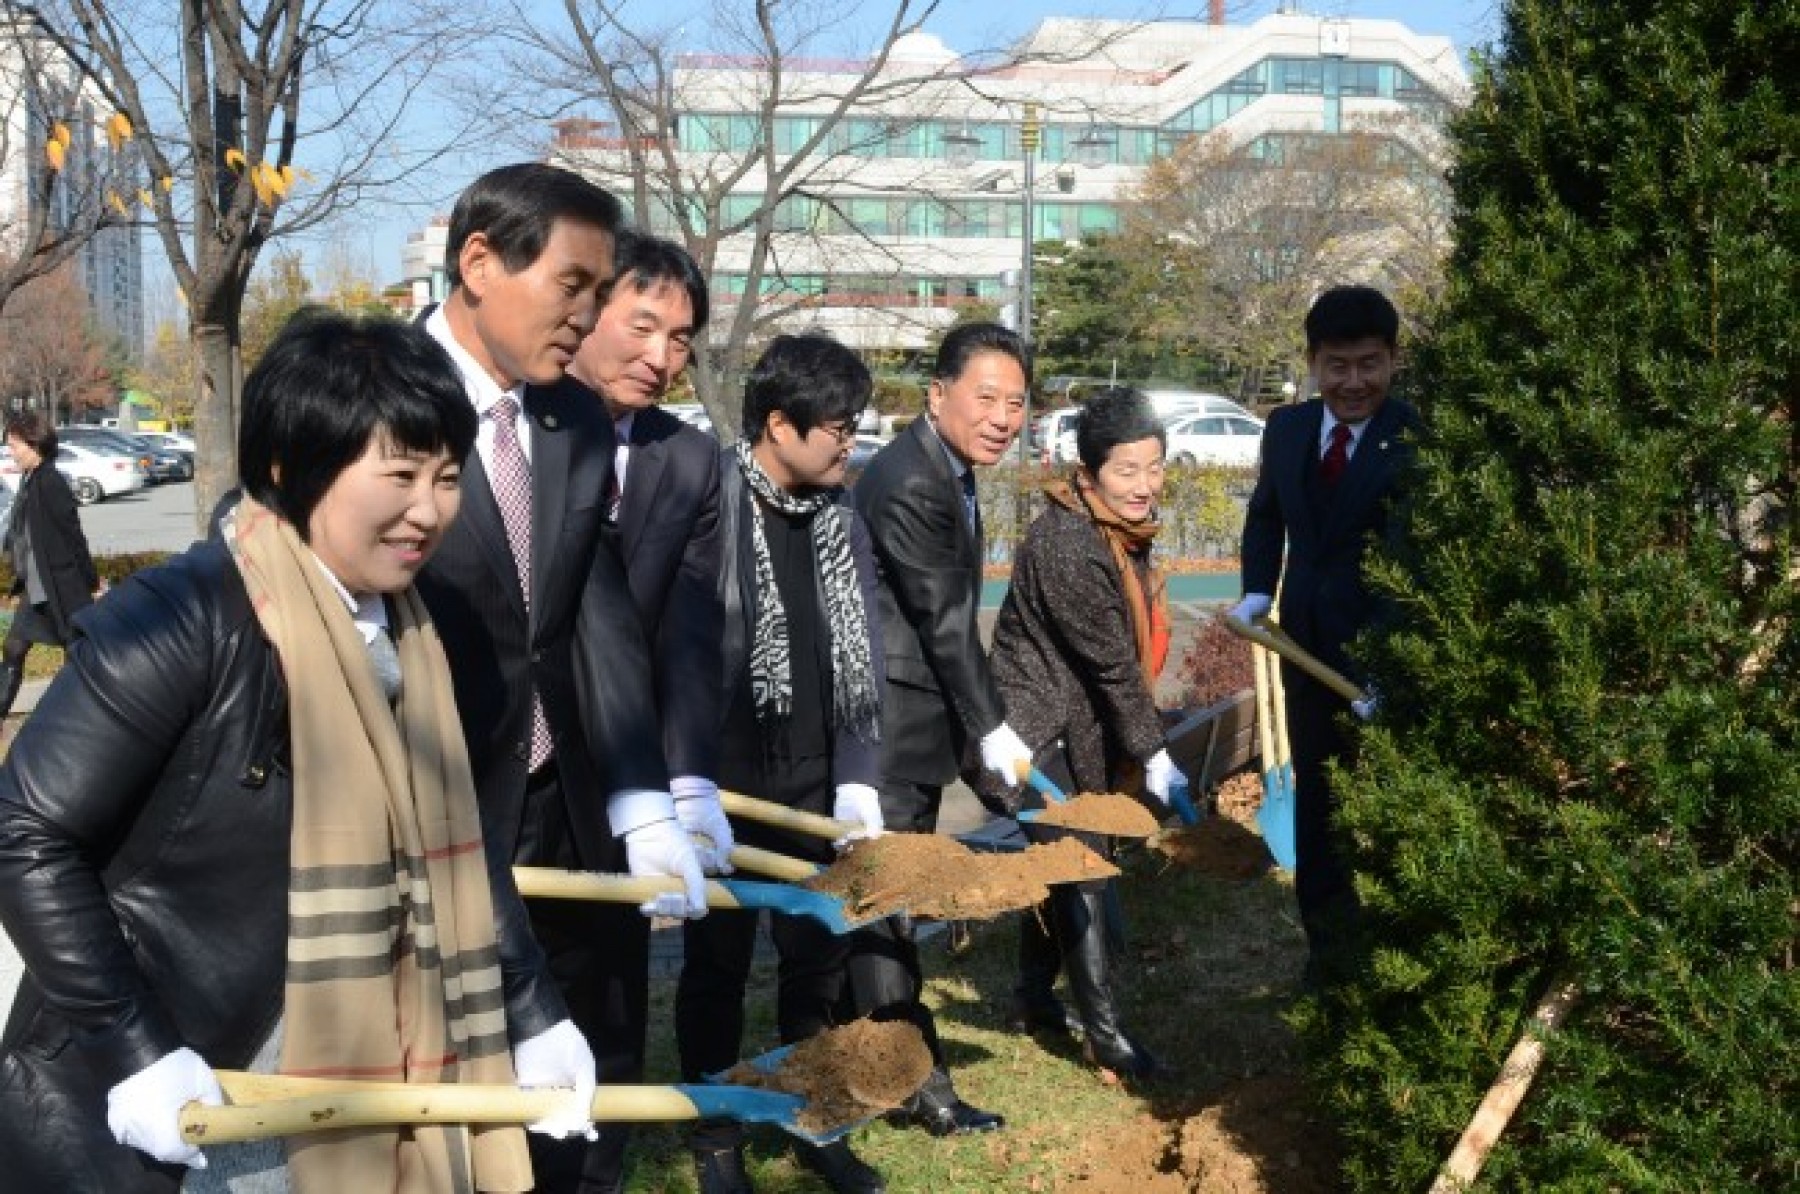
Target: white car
[[94, 476], [1227, 439], [1172, 406]]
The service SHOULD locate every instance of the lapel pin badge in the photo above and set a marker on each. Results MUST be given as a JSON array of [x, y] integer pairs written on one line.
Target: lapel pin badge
[[550, 423]]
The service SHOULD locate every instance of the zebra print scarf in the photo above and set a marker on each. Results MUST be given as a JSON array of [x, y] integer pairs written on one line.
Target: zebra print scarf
[[855, 705]]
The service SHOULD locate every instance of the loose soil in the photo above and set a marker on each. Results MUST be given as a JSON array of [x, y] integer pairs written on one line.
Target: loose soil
[[938, 878], [1217, 847], [846, 1074], [1100, 812]]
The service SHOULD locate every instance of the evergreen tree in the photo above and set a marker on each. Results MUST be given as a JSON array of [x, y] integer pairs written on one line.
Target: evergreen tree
[[1588, 766]]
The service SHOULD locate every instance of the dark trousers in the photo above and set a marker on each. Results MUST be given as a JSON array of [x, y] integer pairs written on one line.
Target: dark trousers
[[600, 956], [715, 970], [885, 976], [1316, 735]]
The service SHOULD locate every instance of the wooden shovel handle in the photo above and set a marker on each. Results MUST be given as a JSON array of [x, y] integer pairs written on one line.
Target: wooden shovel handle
[[1505, 1095], [290, 1106], [775, 866], [1272, 637], [539, 882], [782, 817]]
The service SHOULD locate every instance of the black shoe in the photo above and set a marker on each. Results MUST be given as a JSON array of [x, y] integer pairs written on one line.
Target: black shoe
[[721, 1171], [841, 1169], [938, 1110], [1128, 1059]]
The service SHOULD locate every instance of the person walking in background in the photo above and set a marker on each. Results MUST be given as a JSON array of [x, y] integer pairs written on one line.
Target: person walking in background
[[53, 574], [665, 521], [241, 832], [1078, 645], [918, 496], [553, 678], [803, 697], [1330, 469]]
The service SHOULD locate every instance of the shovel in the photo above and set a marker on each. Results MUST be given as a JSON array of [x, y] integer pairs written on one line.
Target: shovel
[[268, 1105], [1271, 637], [1275, 819], [828, 910]]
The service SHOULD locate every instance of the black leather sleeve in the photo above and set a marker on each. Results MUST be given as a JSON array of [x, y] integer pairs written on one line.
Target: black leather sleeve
[[74, 781], [915, 536]]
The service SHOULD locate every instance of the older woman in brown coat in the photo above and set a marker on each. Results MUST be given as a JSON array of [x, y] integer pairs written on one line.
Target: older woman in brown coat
[[1077, 648]]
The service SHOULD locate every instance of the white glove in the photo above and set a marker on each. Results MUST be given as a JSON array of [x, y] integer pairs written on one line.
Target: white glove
[[1252, 607], [1161, 775], [1002, 751], [559, 1057], [144, 1111], [861, 804], [1366, 707], [698, 810], [664, 848]]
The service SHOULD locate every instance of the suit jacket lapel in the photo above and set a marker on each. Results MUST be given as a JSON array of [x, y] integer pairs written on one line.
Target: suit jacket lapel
[[643, 477], [1368, 465], [549, 488], [937, 458], [480, 518], [1299, 469]]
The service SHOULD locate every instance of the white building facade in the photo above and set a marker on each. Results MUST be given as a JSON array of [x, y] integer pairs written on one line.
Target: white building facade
[[914, 205], [39, 86]]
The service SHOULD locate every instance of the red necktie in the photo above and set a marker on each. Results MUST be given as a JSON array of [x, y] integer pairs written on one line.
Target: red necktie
[[1337, 455]]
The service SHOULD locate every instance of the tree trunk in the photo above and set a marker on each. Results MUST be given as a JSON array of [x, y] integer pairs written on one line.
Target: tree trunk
[[215, 415]]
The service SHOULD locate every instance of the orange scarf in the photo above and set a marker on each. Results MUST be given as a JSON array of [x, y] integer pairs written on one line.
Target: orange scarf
[[1146, 591]]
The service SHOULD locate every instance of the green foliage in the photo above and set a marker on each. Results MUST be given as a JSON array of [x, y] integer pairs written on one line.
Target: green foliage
[[1589, 767]]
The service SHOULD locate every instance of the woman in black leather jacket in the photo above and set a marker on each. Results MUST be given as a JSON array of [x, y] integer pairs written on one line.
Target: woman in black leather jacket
[[160, 838]]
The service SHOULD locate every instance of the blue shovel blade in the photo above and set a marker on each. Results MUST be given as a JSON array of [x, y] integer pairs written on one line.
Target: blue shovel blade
[[751, 1104], [1275, 819], [1183, 803], [828, 910], [1047, 788]]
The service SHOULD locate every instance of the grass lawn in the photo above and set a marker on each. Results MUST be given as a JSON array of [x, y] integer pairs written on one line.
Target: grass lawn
[[1210, 966]]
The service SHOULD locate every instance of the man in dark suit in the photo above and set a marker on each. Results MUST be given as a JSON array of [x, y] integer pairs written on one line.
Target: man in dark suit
[[665, 520], [551, 671], [1330, 470], [918, 497]]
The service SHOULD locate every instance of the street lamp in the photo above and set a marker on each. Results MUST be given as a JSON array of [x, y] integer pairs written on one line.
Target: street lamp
[[1092, 150]]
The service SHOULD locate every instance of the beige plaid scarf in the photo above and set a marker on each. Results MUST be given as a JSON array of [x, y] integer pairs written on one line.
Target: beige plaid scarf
[[393, 971]]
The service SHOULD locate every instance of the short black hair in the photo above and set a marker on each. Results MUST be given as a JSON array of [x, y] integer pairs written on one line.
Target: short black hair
[[1351, 313], [35, 428], [1112, 416], [517, 206], [328, 385], [970, 339], [642, 262], [811, 379]]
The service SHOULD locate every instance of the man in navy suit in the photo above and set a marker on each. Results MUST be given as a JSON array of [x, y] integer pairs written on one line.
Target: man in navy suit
[[546, 652], [1331, 468]]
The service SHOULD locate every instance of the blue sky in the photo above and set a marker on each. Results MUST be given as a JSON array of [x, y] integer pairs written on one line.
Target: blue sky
[[373, 238]]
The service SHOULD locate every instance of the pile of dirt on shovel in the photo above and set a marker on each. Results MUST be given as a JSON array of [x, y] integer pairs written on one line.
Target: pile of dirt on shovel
[[1100, 812], [938, 878], [847, 1074]]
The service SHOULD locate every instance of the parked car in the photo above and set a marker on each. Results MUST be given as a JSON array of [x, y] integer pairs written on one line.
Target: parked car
[[1234, 440], [94, 476], [863, 450], [1054, 436], [166, 463], [1174, 405], [171, 441], [159, 464]]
